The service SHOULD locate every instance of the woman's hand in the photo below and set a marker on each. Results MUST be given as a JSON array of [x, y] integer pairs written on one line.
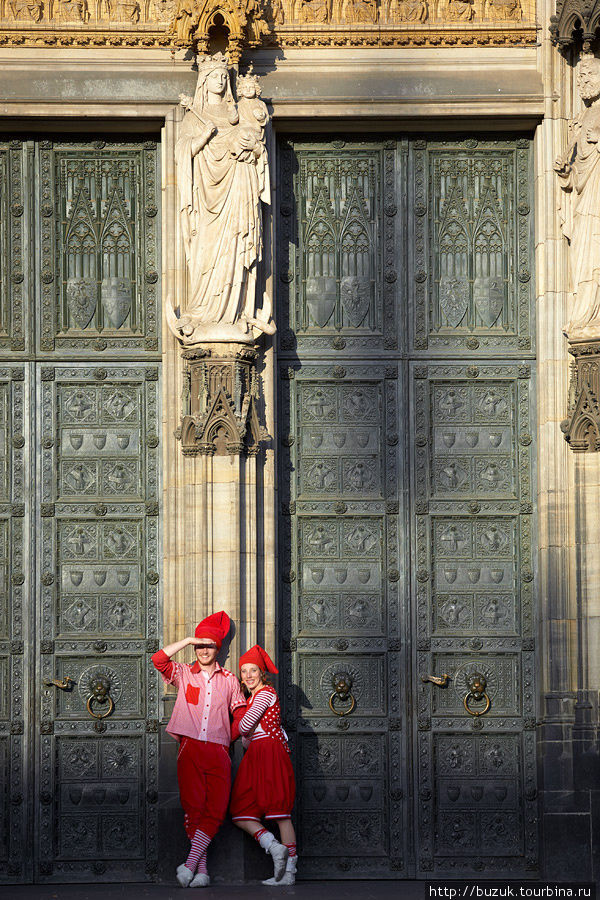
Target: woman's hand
[[199, 142]]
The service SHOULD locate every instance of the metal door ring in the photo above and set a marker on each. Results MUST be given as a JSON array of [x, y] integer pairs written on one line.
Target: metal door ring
[[341, 712], [470, 696], [92, 699], [100, 694]]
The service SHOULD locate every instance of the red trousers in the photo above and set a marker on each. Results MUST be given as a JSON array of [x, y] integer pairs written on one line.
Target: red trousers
[[204, 776]]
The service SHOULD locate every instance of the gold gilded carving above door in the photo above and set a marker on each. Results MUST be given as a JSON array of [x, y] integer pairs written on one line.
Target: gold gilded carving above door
[[278, 23]]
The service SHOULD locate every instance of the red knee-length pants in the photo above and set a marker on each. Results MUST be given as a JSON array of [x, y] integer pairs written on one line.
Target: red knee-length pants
[[204, 776]]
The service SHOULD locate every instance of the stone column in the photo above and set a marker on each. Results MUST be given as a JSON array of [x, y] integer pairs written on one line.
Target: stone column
[[568, 525], [218, 501]]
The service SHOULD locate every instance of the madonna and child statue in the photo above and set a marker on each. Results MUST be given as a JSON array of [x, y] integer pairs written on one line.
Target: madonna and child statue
[[223, 182]]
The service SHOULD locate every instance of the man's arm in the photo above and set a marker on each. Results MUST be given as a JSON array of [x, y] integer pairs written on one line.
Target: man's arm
[[161, 660]]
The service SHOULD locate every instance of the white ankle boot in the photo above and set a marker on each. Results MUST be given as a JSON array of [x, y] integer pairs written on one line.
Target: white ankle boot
[[289, 876], [184, 875], [279, 853], [200, 880]]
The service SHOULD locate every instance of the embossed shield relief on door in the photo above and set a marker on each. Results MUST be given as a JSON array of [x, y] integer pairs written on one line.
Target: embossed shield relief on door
[[356, 297], [82, 296], [321, 296], [454, 298], [116, 299]]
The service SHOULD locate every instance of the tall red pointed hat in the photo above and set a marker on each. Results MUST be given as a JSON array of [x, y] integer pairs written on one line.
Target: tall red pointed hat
[[214, 628], [256, 656]]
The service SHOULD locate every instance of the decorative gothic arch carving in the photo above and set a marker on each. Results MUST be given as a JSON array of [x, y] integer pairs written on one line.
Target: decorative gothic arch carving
[[220, 404], [245, 21], [581, 428]]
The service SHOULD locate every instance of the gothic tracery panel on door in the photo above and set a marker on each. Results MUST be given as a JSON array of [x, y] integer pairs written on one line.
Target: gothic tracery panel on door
[[338, 231], [99, 575], [470, 230], [99, 246]]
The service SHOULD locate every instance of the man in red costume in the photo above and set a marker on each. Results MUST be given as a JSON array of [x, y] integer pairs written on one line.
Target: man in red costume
[[207, 697]]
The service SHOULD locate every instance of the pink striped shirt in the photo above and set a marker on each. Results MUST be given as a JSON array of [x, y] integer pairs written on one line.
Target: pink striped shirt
[[203, 705]]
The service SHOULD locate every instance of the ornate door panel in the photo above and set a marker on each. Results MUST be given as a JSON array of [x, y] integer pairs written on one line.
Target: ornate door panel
[[15, 653], [397, 261], [471, 444], [476, 773], [337, 239], [470, 243], [79, 719], [99, 247], [14, 270], [344, 615], [99, 577]]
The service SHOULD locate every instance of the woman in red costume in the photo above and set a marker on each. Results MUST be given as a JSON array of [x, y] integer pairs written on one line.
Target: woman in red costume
[[265, 787], [208, 696]]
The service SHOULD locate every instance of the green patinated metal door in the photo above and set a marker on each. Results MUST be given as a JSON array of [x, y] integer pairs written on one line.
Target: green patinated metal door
[[406, 417], [79, 406]]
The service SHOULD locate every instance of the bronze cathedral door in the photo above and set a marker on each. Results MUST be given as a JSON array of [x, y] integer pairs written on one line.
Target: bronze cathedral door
[[406, 364], [79, 523]]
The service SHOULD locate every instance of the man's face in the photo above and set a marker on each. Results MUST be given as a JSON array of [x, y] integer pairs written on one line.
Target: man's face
[[206, 652], [588, 79]]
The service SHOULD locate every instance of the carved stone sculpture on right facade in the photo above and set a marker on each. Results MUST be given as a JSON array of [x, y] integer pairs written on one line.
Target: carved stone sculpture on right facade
[[578, 170]]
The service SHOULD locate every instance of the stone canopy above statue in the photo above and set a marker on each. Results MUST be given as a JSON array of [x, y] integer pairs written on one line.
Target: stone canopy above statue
[[575, 22]]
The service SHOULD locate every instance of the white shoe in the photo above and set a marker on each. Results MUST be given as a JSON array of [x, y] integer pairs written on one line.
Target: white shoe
[[184, 875], [289, 876], [280, 854], [200, 880]]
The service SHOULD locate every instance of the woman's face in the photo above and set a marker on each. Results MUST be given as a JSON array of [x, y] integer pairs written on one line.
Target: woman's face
[[251, 676], [216, 81]]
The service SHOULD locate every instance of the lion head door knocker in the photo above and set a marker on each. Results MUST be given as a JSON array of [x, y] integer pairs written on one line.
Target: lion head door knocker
[[477, 683], [99, 703], [342, 702]]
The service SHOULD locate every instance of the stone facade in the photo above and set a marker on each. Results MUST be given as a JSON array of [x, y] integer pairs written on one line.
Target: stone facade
[[460, 72]]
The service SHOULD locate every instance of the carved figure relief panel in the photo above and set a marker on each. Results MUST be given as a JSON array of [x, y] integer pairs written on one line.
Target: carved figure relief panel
[[98, 620], [14, 271], [359, 23], [14, 651], [473, 581], [471, 224], [339, 224], [342, 612], [99, 244]]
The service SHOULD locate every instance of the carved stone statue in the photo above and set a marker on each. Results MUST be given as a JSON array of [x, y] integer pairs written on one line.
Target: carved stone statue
[[357, 12], [578, 170], [27, 9], [313, 11], [504, 10], [408, 11], [459, 10], [223, 179]]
